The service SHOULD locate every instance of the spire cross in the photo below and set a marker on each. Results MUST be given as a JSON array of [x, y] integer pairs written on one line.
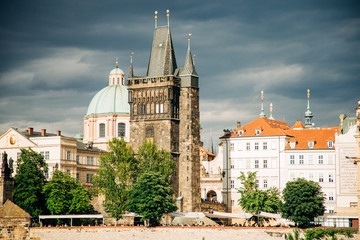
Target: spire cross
[[156, 12]]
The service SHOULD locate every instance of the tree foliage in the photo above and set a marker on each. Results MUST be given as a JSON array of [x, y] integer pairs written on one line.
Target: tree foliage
[[150, 159], [303, 200], [151, 197], [65, 195], [29, 181], [117, 171], [255, 200]]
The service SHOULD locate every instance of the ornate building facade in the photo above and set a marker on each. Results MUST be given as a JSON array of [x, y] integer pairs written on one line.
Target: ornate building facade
[[164, 108], [108, 116]]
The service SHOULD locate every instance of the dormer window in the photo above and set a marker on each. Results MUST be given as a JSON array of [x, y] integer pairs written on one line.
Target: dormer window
[[311, 144], [330, 144], [257, 132], [292, 144], [241, 132]]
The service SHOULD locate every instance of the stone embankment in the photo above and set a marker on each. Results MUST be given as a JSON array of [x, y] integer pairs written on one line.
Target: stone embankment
[[157, 233]]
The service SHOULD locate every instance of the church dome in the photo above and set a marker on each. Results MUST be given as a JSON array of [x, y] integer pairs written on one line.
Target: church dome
[[117, 71], [112, 99]]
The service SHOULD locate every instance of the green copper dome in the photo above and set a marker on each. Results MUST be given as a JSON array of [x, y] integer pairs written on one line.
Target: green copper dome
[[110, 100]]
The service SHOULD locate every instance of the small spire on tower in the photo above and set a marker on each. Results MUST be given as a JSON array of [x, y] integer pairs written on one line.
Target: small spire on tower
[[156, 12], [262, 114], [117, 63], [131, 71], [168, 16], [189, 66], [308, 113], [271, 116]]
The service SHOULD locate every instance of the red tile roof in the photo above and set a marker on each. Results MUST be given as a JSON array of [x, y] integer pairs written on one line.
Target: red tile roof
[[320, 137], [298, 124], [267, 126], [298, 133]]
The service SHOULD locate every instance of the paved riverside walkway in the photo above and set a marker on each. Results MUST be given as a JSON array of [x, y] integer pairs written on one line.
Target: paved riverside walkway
[[157, 233]]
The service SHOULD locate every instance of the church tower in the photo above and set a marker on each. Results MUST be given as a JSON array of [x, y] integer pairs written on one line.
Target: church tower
[[164, 108]]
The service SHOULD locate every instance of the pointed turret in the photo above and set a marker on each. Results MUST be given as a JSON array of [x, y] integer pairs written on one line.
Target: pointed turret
[[308, 113], [262, 113], [189, 66], [162, 60], [131, 71]]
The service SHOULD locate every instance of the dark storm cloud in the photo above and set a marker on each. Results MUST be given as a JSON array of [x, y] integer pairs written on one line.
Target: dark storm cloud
[[55, 55]]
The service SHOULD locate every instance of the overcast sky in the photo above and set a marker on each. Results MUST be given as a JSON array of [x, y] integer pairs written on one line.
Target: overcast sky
[[55, 56]]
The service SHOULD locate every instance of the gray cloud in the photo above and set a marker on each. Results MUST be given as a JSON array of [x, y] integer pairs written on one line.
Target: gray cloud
[[54, 57]]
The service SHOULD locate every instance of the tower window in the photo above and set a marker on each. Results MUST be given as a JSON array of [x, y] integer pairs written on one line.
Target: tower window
[[121, 129], [161, 108], [102, 130]]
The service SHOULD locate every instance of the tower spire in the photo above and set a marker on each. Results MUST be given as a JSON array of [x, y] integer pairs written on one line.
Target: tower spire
[[117, 63], [131, 71], [262, 114], [271, 116], [189, 66], [308, 113]]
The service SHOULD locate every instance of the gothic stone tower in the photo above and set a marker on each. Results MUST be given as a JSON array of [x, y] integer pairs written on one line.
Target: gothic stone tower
[[164, 107]]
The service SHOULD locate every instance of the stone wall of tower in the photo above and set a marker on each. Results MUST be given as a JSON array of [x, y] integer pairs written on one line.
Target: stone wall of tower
[[189, 145]]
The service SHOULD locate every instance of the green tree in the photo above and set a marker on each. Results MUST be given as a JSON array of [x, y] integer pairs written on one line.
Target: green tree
[[150, 159], [151, 197], [65, 195], [303, 200], [118, 170], [29, 182], [255, 200]]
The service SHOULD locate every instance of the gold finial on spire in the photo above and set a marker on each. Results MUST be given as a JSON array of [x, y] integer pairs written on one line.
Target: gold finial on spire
[[117, 63], [168, 16], [156, 12], [194, 58], [308, 93], [270, 107], [262, 95]]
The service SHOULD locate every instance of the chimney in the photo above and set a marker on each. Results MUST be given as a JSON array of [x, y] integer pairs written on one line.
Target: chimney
[[31, 131], [43, 132], [58, 133], [238, 125]]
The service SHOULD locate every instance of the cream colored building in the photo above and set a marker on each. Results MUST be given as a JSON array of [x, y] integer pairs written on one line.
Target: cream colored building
[[60, 152], [108, 114]]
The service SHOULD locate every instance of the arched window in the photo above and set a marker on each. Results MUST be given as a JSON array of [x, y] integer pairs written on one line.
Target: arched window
[[102, 130], [121, 129]]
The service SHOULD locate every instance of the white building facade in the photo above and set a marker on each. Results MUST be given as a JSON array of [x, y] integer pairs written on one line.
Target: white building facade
[[63, 153]]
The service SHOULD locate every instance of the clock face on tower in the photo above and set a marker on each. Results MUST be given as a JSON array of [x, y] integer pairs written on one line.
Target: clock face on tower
[[12, 140]]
